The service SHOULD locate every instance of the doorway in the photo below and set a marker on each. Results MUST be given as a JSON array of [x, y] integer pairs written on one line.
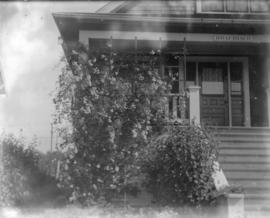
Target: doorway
[[213, 77], [224, 93], [222, 98]]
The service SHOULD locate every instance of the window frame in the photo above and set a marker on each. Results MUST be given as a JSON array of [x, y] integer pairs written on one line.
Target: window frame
[[225, 9]]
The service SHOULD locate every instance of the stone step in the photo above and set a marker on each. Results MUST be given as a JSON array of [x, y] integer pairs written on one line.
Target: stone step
[[243, 135], [243, 132], [256, 190], [242, 139], [259, 175], [252, 183], [254, 212], [245, 159], [253, 130], [232, 158], [260, 200], [234, 133], [243, 152], [244, 144], [246, 166]]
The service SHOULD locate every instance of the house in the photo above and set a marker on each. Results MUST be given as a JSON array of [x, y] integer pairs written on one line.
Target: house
[[224, 62]]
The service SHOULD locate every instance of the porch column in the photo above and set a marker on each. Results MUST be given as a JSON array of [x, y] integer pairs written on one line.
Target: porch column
[[194, 104], [267, 68], [247, 121], [268, 103]]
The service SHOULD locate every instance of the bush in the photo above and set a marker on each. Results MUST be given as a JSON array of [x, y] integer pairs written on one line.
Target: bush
[[48, 163], [21, 180], [178, 165], [17, 164]]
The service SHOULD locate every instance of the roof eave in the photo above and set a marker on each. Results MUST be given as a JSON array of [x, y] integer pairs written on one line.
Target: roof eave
[[90, 17]]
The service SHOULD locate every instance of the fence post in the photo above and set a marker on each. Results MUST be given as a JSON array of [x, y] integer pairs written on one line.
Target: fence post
[[194, 104]]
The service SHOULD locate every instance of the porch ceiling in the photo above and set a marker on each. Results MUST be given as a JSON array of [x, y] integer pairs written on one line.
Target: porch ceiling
[[192, 47]]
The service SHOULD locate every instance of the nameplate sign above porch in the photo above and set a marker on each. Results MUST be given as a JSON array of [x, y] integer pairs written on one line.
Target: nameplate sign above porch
[[85, 35], [233, 38]]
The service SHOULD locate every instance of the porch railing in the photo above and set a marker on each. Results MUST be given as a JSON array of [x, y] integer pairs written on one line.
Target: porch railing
[[177, 106], [184, 106]]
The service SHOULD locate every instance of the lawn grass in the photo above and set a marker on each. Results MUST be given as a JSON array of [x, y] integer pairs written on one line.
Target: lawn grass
[[98, 212]]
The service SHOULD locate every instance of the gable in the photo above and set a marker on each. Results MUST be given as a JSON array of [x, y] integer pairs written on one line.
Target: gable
[[179, 7]]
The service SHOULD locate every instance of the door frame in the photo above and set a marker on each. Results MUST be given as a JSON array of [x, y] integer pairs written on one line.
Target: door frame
[[245, 77]]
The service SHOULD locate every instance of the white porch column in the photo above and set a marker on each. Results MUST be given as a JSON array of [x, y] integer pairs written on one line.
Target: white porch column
[[268, 104], [194, 104], [267, 69], [247, 121]]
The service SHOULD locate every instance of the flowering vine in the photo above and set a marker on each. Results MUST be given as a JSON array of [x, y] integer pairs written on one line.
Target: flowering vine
[[108, 105]]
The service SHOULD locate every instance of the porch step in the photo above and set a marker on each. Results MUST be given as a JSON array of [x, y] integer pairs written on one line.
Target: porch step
[[261, 175], [241, 138], [252, 130], [245, 151], [255, 184], [245, 159], [247, 167], [244, 144]]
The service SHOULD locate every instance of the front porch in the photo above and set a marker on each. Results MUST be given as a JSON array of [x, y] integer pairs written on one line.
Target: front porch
[[220, 91], [217, 87], [220, 83]]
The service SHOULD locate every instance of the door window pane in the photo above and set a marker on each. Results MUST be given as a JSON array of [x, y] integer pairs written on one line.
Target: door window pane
[[190, 74], [236, 78], [212, 78], [260, 6], [212, 5], [237, 5]]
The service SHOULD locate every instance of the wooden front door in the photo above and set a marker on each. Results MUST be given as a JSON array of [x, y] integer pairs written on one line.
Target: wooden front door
[[213, 78]]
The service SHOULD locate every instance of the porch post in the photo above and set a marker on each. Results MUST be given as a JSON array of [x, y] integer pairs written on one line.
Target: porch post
[[194, 104], [267, 69], [247, 121], [268, 103]]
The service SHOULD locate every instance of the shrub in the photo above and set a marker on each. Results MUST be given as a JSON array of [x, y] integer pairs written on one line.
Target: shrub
[[17, 164], [48, 163], [22, 181], [178, 165]]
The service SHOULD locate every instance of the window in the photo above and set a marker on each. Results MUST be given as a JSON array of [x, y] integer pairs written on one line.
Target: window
[[237, 5], [260, 6], [212, 78], [190, 74], [212, 6], [233, 6], [236, 78]]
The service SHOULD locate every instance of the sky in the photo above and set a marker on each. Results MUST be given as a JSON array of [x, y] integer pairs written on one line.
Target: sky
[[30, 56]]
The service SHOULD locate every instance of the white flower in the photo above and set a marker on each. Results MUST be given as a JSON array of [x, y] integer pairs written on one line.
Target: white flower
[[113, 186], [90, 63], [134, 133]]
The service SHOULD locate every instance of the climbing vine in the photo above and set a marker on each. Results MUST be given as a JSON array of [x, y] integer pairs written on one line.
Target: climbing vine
[[108, 105]]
